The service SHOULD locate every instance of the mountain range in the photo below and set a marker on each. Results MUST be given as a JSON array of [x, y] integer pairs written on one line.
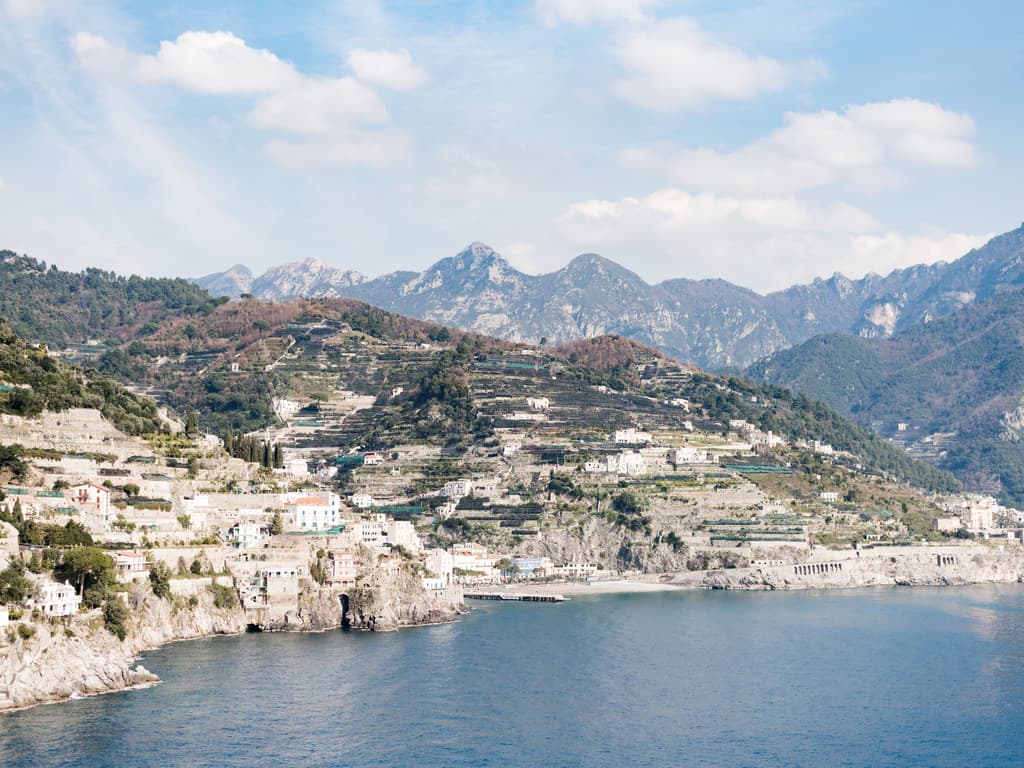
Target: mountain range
[[712, 323]]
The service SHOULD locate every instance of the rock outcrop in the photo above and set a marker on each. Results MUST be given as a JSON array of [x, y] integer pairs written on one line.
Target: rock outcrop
[[77, 656], [889, 566], [388, 600]]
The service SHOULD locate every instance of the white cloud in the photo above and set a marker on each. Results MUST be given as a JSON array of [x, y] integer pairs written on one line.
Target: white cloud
[[553, 12], [330, 110], [205, 62], [766, 243], [674, 63], [388, 69], [371, 149], [865, 143], [319, 106]]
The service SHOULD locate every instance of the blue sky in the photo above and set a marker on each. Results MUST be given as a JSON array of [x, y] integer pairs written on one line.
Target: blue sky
[[763, 142]]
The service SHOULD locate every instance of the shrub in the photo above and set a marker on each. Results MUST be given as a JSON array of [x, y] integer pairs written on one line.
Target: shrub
[[115, 617]]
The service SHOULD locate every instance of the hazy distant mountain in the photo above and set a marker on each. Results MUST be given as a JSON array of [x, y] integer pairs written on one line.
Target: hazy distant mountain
[[710, 322], [952, 390], [309, 278], [233, 282]]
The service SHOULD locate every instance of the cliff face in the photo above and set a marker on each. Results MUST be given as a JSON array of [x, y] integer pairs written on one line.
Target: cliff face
[[387, 600], [82, 658], [58, 663], [595, 540]]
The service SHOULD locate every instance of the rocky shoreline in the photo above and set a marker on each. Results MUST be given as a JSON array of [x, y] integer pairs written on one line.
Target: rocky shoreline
[[80, 658]]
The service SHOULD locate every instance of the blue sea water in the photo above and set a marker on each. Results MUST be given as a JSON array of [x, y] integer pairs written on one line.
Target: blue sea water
[[882, 677]]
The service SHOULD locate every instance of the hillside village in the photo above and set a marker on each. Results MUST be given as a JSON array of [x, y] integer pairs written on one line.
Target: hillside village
[[397, 472], [574, 480]]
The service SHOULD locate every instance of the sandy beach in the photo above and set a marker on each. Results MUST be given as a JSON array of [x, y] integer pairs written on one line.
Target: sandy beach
[[570, 589]]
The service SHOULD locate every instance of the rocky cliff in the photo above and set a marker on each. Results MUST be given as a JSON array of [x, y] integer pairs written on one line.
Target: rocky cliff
[[888, 566], [387, 600], [78, 657]]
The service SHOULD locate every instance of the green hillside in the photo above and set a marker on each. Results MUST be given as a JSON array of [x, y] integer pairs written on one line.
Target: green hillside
[[32, 381], [950, 383], [59, 308]]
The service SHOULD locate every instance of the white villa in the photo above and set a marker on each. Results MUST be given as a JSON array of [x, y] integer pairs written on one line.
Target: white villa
[[56, 599], [312, 513], [131, 566]]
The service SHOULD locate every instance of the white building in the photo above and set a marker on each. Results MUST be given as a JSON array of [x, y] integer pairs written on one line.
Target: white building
[[456, 489], [311, 513], [284, 408], [538, 403], [511, 449], [440, 563], [247, 534], [526, 416], [829, 497], [946, 524], [476, 563], [56, 599], [402, 533], [689, 455], [435, 585], [822, 448], [626, 463], [362, 500], [575, 570], [631, 436], [372, 531], [373, 459], [131, 566]]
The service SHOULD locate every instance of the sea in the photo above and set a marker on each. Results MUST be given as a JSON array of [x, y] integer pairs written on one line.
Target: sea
[[873, 677]]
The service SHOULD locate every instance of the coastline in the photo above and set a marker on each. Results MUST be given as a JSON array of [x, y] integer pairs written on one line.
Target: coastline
[[105, 665]]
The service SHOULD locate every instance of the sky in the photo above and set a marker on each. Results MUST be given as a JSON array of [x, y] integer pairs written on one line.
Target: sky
[[766, 142]]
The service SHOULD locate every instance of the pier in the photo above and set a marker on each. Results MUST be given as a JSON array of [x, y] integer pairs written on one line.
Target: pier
[[516, 597]]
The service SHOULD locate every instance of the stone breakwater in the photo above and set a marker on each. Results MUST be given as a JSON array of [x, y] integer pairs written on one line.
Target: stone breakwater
[[882, 566]]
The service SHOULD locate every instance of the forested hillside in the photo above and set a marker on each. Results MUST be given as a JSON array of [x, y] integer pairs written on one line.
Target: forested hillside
[[955, 384], [59, 308], [31, 381]]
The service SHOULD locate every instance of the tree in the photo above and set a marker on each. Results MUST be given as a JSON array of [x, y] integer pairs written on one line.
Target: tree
[[229, 441], [193, 468], [278, 456], [160, 580], [15, 586], [87, 566], [192, 425], [115, 617], [276, 524]]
